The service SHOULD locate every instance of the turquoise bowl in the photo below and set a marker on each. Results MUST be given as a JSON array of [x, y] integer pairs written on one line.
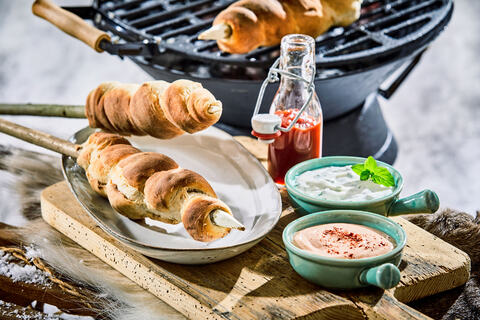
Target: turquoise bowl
[[380, 271], [425, 201]]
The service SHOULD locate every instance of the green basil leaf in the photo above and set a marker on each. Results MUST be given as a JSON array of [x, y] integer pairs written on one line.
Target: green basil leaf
[[370, 170], [385, 175], [358, 168], [370, 164], [382, 171], [386, 180], [365, 175]]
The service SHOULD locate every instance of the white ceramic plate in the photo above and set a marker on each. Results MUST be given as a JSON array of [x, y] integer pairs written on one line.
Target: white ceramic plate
[[236, 176]]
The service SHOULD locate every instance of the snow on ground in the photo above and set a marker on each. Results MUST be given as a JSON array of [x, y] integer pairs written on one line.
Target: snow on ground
[[18, 271]]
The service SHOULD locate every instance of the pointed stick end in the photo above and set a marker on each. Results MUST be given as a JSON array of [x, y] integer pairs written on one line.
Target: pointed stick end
[[214, 109], [224, 219], [217, 32]]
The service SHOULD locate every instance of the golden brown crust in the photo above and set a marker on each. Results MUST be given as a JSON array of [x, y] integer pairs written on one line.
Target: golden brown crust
[[157, 108], [97, 142], [147, 114], [166, 187], [187, 105], [196, 218], [199, 104], [174, 102], [344, 12], [109, 157], [94, 108], [117, 108], [248, 20], [256, 23], [90, 104], [137, 168]]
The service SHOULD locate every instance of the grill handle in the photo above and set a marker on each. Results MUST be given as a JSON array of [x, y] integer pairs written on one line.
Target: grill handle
[[70, 23], [388, 92]]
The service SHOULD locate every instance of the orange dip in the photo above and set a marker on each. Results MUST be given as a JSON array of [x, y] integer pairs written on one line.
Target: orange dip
[[343, 241]]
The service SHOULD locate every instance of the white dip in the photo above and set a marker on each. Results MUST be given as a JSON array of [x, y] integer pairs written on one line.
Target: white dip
[[339, 183]]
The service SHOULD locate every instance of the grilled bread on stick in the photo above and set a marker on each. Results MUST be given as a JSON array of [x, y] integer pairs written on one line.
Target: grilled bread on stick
[[147, 184], [248, 24], [156, 108]]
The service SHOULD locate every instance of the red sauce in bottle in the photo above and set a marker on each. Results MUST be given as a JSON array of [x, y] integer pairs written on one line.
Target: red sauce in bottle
[[301, 143]]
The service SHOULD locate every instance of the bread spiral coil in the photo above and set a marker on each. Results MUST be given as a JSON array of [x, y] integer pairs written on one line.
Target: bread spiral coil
[[147, 184]]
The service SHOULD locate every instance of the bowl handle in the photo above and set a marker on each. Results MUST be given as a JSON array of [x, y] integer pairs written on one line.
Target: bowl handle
[[384, 276], [425, 201]]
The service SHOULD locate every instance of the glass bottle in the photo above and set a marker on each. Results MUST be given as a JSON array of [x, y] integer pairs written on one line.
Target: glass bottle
[[304, 140]]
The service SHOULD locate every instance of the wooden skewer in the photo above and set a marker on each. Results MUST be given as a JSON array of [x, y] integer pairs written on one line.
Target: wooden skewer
[[45, 140], [214, 109], [39, 138], [220, 31], [224, 219], [46, 110], [56, 110]]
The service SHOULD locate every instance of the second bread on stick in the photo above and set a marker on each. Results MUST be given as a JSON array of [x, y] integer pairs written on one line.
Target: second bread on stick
[[157, 108], [248, 24]]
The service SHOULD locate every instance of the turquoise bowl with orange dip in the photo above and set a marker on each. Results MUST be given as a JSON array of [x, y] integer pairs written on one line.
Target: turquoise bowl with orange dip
[[380, 271]]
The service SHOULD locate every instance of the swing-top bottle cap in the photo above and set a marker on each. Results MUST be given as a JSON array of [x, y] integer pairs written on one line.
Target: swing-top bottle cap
[[265, 127]]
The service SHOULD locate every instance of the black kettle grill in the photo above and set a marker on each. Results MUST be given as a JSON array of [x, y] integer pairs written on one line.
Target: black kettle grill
[[352, 62]]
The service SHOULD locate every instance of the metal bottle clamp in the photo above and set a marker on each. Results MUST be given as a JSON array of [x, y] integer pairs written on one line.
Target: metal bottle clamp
[[266, 127]]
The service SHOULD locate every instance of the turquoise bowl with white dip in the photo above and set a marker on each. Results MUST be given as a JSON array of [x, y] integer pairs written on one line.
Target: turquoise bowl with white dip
[[425, 201]]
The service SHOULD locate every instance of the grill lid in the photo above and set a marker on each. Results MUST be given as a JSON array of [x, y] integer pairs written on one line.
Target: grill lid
[[164, 32]]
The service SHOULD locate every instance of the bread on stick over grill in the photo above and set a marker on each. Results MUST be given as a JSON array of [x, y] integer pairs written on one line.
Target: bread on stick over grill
[[156, 108], [147, 184], [248, 24]]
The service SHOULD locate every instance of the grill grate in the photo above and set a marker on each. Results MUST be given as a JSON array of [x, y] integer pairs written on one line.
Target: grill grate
[[385, 29]]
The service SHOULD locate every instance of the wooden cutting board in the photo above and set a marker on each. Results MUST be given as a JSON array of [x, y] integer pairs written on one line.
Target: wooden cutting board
[[260, 283]]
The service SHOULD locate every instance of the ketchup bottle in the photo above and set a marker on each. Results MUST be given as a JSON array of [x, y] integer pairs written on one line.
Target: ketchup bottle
[[304, 140]]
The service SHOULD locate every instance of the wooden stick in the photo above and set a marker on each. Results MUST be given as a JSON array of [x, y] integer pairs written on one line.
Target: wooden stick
[[45, 110], [39, 138], [214, 109], [217, 32], [45, 140], [224, 219]]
